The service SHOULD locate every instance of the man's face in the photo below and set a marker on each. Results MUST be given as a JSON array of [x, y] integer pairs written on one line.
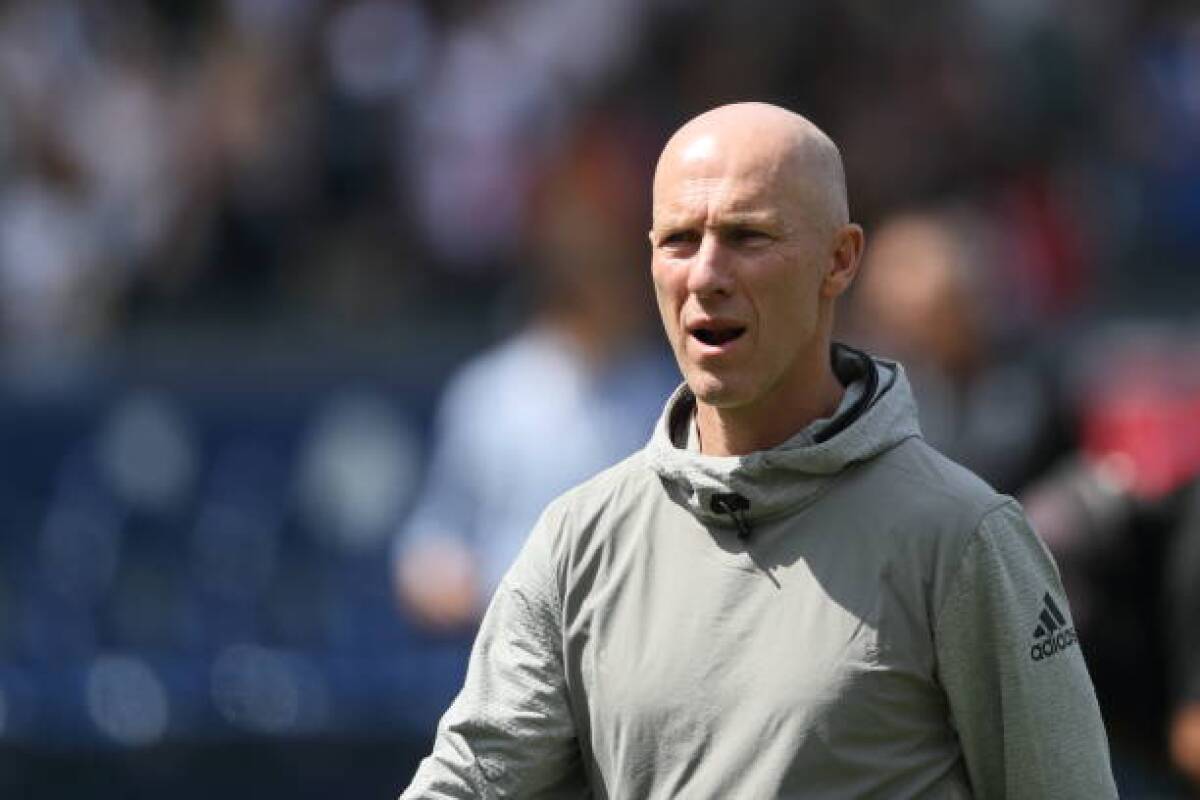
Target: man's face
[[738, 265]]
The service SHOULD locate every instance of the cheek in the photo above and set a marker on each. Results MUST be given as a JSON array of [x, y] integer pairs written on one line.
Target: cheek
[[667, 294], [788, 300]]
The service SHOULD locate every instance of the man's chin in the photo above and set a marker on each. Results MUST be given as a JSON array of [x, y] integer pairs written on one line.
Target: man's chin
[[716, 393]]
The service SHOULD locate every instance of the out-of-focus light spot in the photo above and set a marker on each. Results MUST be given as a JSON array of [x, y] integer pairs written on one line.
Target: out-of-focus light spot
[[147, 454], [126, 700], [268, 691], [377, 49], [358, 469]]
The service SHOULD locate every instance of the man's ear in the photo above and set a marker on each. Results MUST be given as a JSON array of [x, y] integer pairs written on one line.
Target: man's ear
[[843, 260]]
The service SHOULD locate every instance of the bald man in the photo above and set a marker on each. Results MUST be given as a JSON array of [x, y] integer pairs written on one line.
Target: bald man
[[787, 593]]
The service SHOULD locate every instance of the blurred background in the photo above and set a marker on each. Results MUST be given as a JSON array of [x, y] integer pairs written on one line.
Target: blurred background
[[308, 306]]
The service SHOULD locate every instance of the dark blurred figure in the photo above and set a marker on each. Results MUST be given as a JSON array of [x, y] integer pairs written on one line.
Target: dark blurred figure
[[1183, 593], [1097, 450], [924, 298], [1114, 512], [1123, 515], [574, 390]]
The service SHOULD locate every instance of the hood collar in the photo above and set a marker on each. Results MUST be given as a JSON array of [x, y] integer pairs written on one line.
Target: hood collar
[[795, 472]]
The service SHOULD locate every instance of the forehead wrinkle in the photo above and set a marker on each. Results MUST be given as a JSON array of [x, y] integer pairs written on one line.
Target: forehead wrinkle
[[728, 200], [685, 201]]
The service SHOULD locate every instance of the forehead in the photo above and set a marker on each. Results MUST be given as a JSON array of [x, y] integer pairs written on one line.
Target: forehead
[[703, 183]]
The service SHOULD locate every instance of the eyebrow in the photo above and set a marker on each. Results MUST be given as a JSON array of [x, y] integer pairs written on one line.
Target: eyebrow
[[749, 218]]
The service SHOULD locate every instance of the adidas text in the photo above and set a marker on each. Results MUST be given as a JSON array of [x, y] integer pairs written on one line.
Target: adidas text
[[1053, 644]]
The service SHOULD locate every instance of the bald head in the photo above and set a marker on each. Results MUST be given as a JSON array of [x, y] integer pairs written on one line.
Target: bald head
[[750, 248], [782, 147]]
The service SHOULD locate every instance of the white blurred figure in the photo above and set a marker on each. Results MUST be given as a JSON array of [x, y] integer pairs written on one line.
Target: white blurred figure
[[92, 190], [576, 390], [500, 92]]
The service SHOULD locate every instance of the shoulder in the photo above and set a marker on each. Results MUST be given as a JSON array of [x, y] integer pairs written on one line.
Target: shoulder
[[929, 509], [969, 518], [923, 481], [941, 516]]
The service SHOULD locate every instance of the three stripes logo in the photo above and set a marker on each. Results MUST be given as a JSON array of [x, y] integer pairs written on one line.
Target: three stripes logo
[[1053, 634]]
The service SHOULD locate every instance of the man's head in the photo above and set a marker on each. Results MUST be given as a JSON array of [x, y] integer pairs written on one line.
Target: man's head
[[919, 297], [752, 245]]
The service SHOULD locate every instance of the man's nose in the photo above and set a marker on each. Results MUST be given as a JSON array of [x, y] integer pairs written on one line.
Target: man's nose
[[709, 273]]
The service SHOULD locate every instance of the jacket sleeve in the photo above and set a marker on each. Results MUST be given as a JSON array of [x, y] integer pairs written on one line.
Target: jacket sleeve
[[510, 731], [1020, 696]]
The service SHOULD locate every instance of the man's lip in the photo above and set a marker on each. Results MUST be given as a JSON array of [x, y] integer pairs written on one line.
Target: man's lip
[[713, 323]]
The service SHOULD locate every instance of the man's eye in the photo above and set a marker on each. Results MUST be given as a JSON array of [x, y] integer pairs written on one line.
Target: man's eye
[[748, 236], [679, 238]]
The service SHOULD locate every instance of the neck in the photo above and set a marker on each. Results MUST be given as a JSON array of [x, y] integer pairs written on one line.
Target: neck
[[770, 421]]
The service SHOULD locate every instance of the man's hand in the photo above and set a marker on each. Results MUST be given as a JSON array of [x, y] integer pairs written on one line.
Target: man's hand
[[1185, 741], [438, 583]]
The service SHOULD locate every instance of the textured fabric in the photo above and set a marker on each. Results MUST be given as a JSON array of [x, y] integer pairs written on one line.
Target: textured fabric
[[874, 636]]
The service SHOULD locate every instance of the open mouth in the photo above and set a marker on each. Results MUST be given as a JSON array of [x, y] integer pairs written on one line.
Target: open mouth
[[715, 337]]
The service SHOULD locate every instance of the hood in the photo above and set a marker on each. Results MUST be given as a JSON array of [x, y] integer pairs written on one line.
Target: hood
[[794, 473]]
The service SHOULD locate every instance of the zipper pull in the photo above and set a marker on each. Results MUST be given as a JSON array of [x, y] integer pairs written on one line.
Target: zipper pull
[[736, 506]]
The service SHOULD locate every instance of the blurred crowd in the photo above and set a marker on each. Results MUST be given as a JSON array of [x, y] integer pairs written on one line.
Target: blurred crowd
[[224, 160], [308, 306]]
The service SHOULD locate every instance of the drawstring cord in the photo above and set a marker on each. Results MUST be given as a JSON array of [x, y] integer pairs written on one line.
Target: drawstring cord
[[736, 506]]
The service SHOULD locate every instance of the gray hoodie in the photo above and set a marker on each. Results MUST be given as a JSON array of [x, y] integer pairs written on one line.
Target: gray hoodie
[[847, 615]]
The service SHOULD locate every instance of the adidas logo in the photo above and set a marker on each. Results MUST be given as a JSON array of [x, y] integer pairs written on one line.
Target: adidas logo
[[1053, 634]]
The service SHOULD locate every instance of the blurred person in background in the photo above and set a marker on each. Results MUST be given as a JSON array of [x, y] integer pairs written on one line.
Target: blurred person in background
[[86, 149], [1094, 449], [573, 391], [926, 297], [1183, 605], [1119, 513]]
